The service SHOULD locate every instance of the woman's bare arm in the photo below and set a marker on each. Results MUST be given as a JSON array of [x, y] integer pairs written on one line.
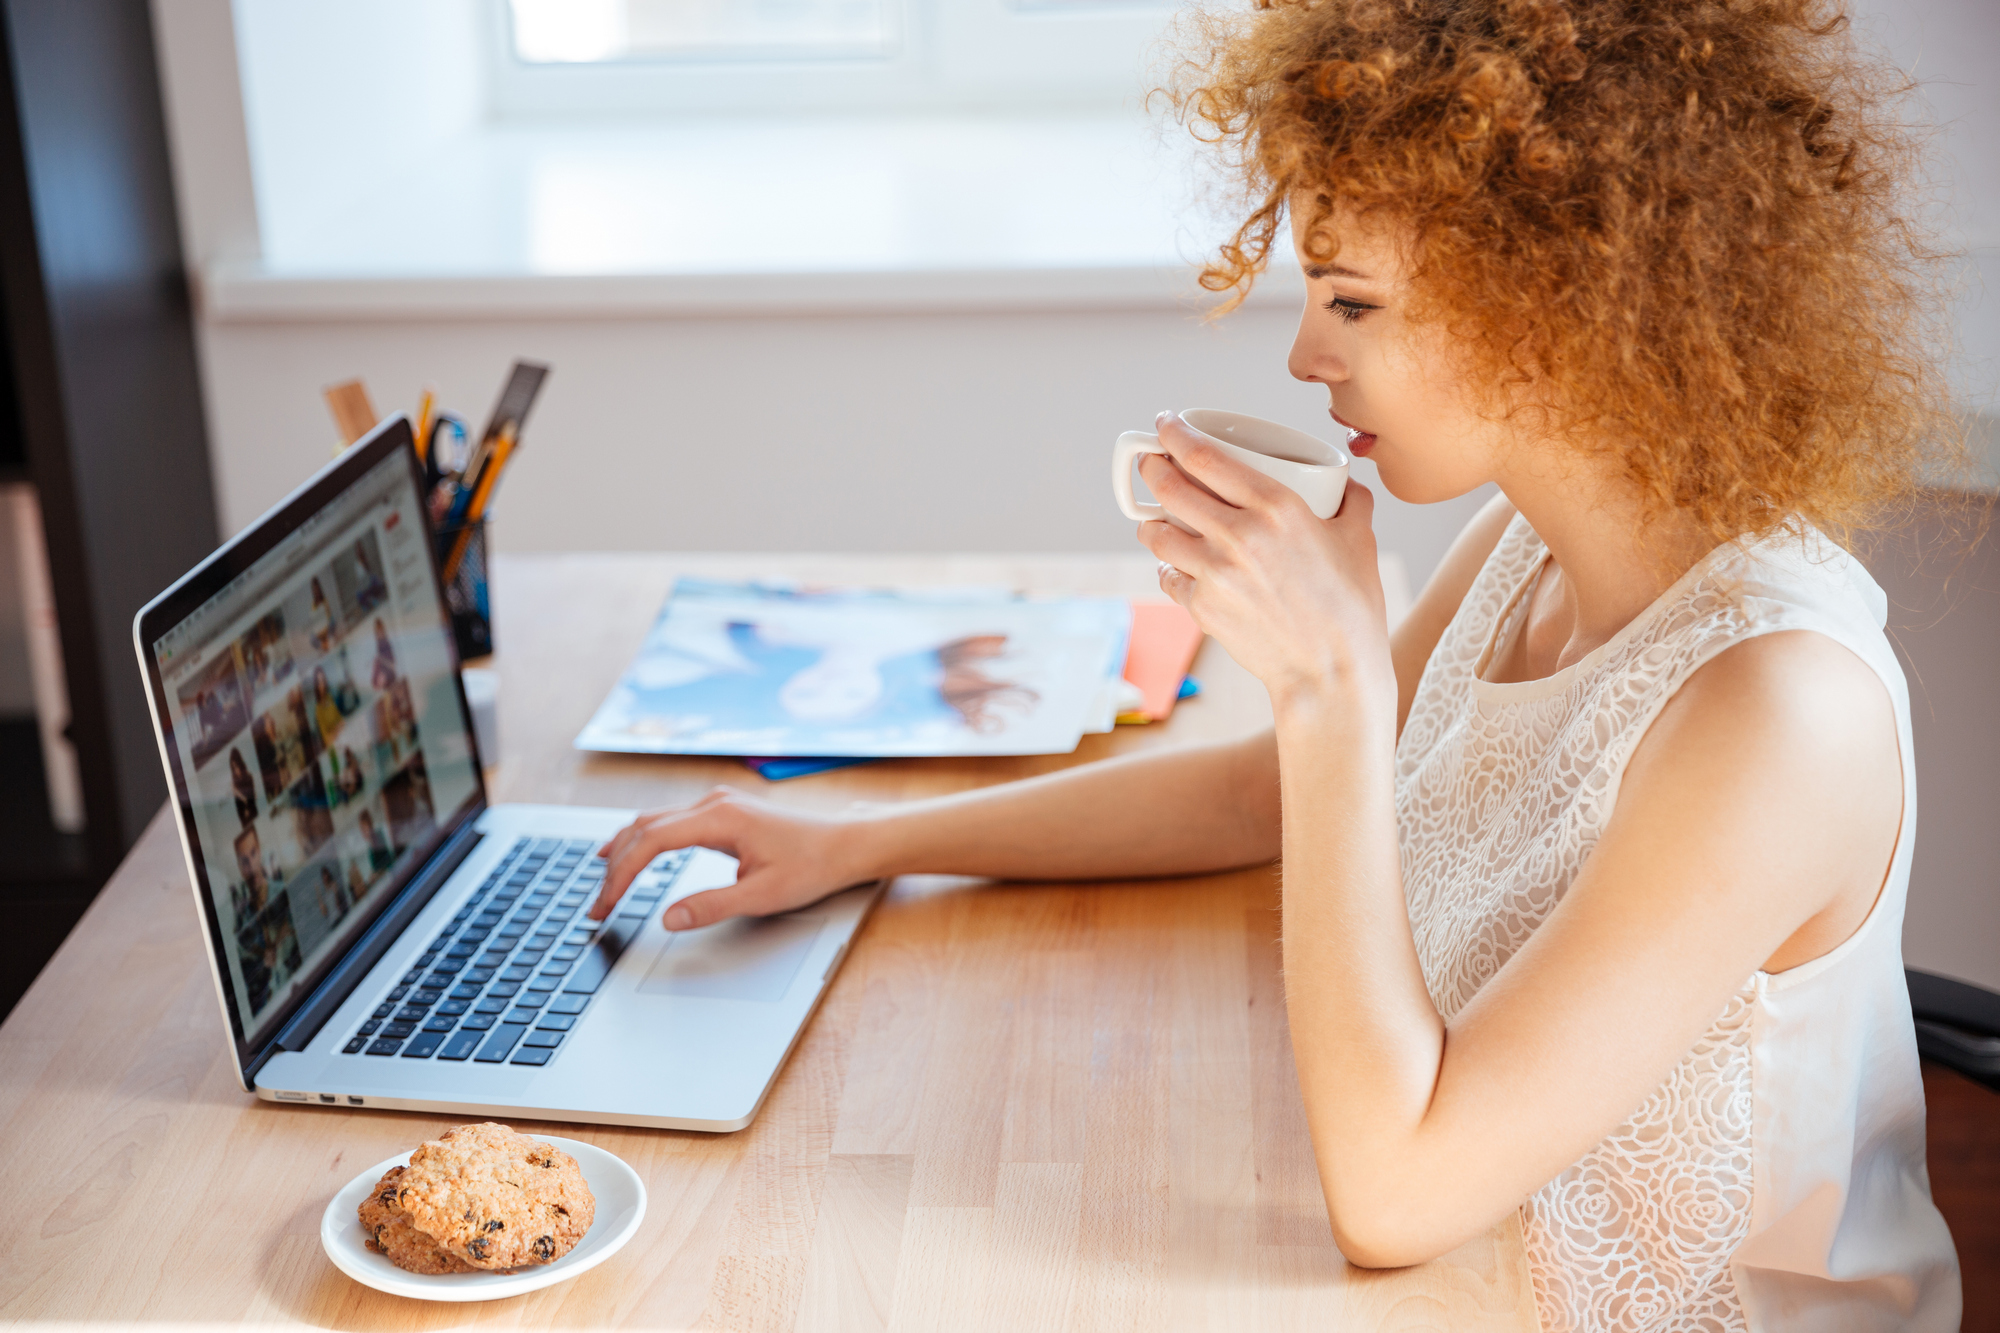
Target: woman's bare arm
[[1169, 812]]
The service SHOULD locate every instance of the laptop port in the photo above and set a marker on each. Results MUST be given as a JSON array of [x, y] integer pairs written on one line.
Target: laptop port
[[328, 1098], [292, 1096], [356, 1101]]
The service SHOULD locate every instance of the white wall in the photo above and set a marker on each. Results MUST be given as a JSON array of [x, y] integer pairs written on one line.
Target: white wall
[[881, 432]]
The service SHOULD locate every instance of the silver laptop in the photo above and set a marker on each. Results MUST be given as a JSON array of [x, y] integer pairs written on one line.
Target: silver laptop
[[381, 936]]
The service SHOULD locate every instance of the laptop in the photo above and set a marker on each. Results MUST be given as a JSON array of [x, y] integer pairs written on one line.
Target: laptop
[[380, 935]]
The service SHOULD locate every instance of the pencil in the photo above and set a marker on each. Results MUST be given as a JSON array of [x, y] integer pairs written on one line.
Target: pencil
[[489, 476], [424, 407]]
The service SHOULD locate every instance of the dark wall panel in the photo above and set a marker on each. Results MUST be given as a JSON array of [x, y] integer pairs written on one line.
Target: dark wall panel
[[103, 351]]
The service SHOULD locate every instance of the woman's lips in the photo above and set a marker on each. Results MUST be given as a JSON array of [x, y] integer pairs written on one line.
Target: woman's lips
[[1360, 442]]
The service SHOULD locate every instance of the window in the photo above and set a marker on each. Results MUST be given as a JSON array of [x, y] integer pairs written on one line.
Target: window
[[595, 31], [610, 56]]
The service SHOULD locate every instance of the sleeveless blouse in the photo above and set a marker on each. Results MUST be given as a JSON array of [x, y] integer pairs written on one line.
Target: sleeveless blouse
[[1776, 1178]]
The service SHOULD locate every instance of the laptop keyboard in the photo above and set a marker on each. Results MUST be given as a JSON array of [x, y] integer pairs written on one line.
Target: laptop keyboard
[[514, 972]]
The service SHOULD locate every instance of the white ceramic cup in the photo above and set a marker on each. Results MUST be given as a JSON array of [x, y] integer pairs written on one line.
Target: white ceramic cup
[[1316, 470]]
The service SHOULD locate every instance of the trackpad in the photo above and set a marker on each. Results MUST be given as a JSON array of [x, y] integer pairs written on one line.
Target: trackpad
[[744, 959]]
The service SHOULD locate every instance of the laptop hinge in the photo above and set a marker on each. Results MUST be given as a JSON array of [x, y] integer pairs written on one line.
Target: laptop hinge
[[368, 950]]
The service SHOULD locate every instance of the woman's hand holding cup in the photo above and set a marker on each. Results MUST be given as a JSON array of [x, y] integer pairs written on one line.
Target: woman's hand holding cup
[[1267, 544]]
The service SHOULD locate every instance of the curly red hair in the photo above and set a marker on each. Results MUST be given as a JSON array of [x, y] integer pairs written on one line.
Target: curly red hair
[[1683, 222]]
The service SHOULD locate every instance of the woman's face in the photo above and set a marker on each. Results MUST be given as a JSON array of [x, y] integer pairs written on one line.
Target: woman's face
[[1385, 377]]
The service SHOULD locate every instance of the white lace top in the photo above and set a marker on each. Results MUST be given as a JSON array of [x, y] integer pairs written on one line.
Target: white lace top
[[1776, 1179]]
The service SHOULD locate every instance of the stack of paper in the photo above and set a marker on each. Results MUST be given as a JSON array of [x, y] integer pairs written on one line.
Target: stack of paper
[[764, 669]]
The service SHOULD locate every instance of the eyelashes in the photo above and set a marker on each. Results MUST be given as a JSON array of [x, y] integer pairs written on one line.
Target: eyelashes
[[1348, 310]]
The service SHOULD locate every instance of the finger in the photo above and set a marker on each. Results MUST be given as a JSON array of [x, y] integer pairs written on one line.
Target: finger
[[622, 839], [1357, 505], [707, 826], [1171, 546], [1236, 482], [1179, 496], [1177, 584], [752, 896]]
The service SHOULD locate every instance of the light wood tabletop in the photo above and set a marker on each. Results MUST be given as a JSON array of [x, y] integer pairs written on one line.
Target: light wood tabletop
[[1029, 1107]]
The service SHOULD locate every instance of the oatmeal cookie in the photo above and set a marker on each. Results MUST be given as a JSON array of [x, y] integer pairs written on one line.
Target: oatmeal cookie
[[390, 1232], [496, 1199]]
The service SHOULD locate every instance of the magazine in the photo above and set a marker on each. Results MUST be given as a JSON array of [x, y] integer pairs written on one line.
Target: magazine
[[775, 669]]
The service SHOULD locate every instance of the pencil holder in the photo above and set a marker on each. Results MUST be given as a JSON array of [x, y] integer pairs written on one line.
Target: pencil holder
[[462, 564]]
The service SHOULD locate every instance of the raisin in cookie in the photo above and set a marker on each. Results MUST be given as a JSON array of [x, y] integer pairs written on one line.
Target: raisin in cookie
[[391, 1232], [496, 1199]]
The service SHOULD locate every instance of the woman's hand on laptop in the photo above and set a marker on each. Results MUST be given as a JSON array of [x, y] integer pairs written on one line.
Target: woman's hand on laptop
[[784, 858]]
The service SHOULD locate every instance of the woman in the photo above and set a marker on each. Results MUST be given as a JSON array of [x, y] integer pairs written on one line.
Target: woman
[[326, 713], [1594, 868], [244, 788]]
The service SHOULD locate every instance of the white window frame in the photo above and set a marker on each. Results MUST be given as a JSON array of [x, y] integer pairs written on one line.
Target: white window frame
[[951, 55]]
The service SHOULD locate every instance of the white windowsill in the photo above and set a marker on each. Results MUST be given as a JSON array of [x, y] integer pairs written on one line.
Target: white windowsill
[[1089, 210]]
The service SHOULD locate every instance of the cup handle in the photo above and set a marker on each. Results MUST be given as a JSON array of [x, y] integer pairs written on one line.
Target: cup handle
[[1130, 445]]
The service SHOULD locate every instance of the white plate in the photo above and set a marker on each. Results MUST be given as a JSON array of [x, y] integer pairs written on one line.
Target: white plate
[[621, 1206]]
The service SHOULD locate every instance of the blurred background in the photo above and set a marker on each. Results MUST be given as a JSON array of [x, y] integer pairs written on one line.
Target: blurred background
[[813, 275]]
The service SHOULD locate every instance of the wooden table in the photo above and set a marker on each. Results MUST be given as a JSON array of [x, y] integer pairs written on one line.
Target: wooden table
[[1031, 1107]]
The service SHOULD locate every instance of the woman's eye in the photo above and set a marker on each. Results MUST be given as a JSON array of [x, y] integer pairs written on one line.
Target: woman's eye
[[1349, 310]]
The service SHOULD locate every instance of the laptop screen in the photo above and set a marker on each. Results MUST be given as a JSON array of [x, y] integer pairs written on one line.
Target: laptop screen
[[313, 711]]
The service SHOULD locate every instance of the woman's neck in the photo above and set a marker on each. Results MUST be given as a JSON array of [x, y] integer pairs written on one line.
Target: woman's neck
[[1608, 563]]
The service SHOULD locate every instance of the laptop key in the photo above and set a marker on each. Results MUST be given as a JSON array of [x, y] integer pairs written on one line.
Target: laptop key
[[439, 980], [427, 997], [466, 992], [354, 1046], [594, 966], [411, 1013], [398, 1030], [493, 1004], [368, 1029], [384, 1046], [461, 1046], [476, 1022], [413, 976], [396, 996], [384, 1010], [524, 1017], [499, 1042], [548, 1039], [516, 973], [447, 967], [478, 976], [531, 1000], [568, 1004], [454, 1007], [422, 1045], [533, 1055], [442, 1023], [544, 984], [556, 1022]]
